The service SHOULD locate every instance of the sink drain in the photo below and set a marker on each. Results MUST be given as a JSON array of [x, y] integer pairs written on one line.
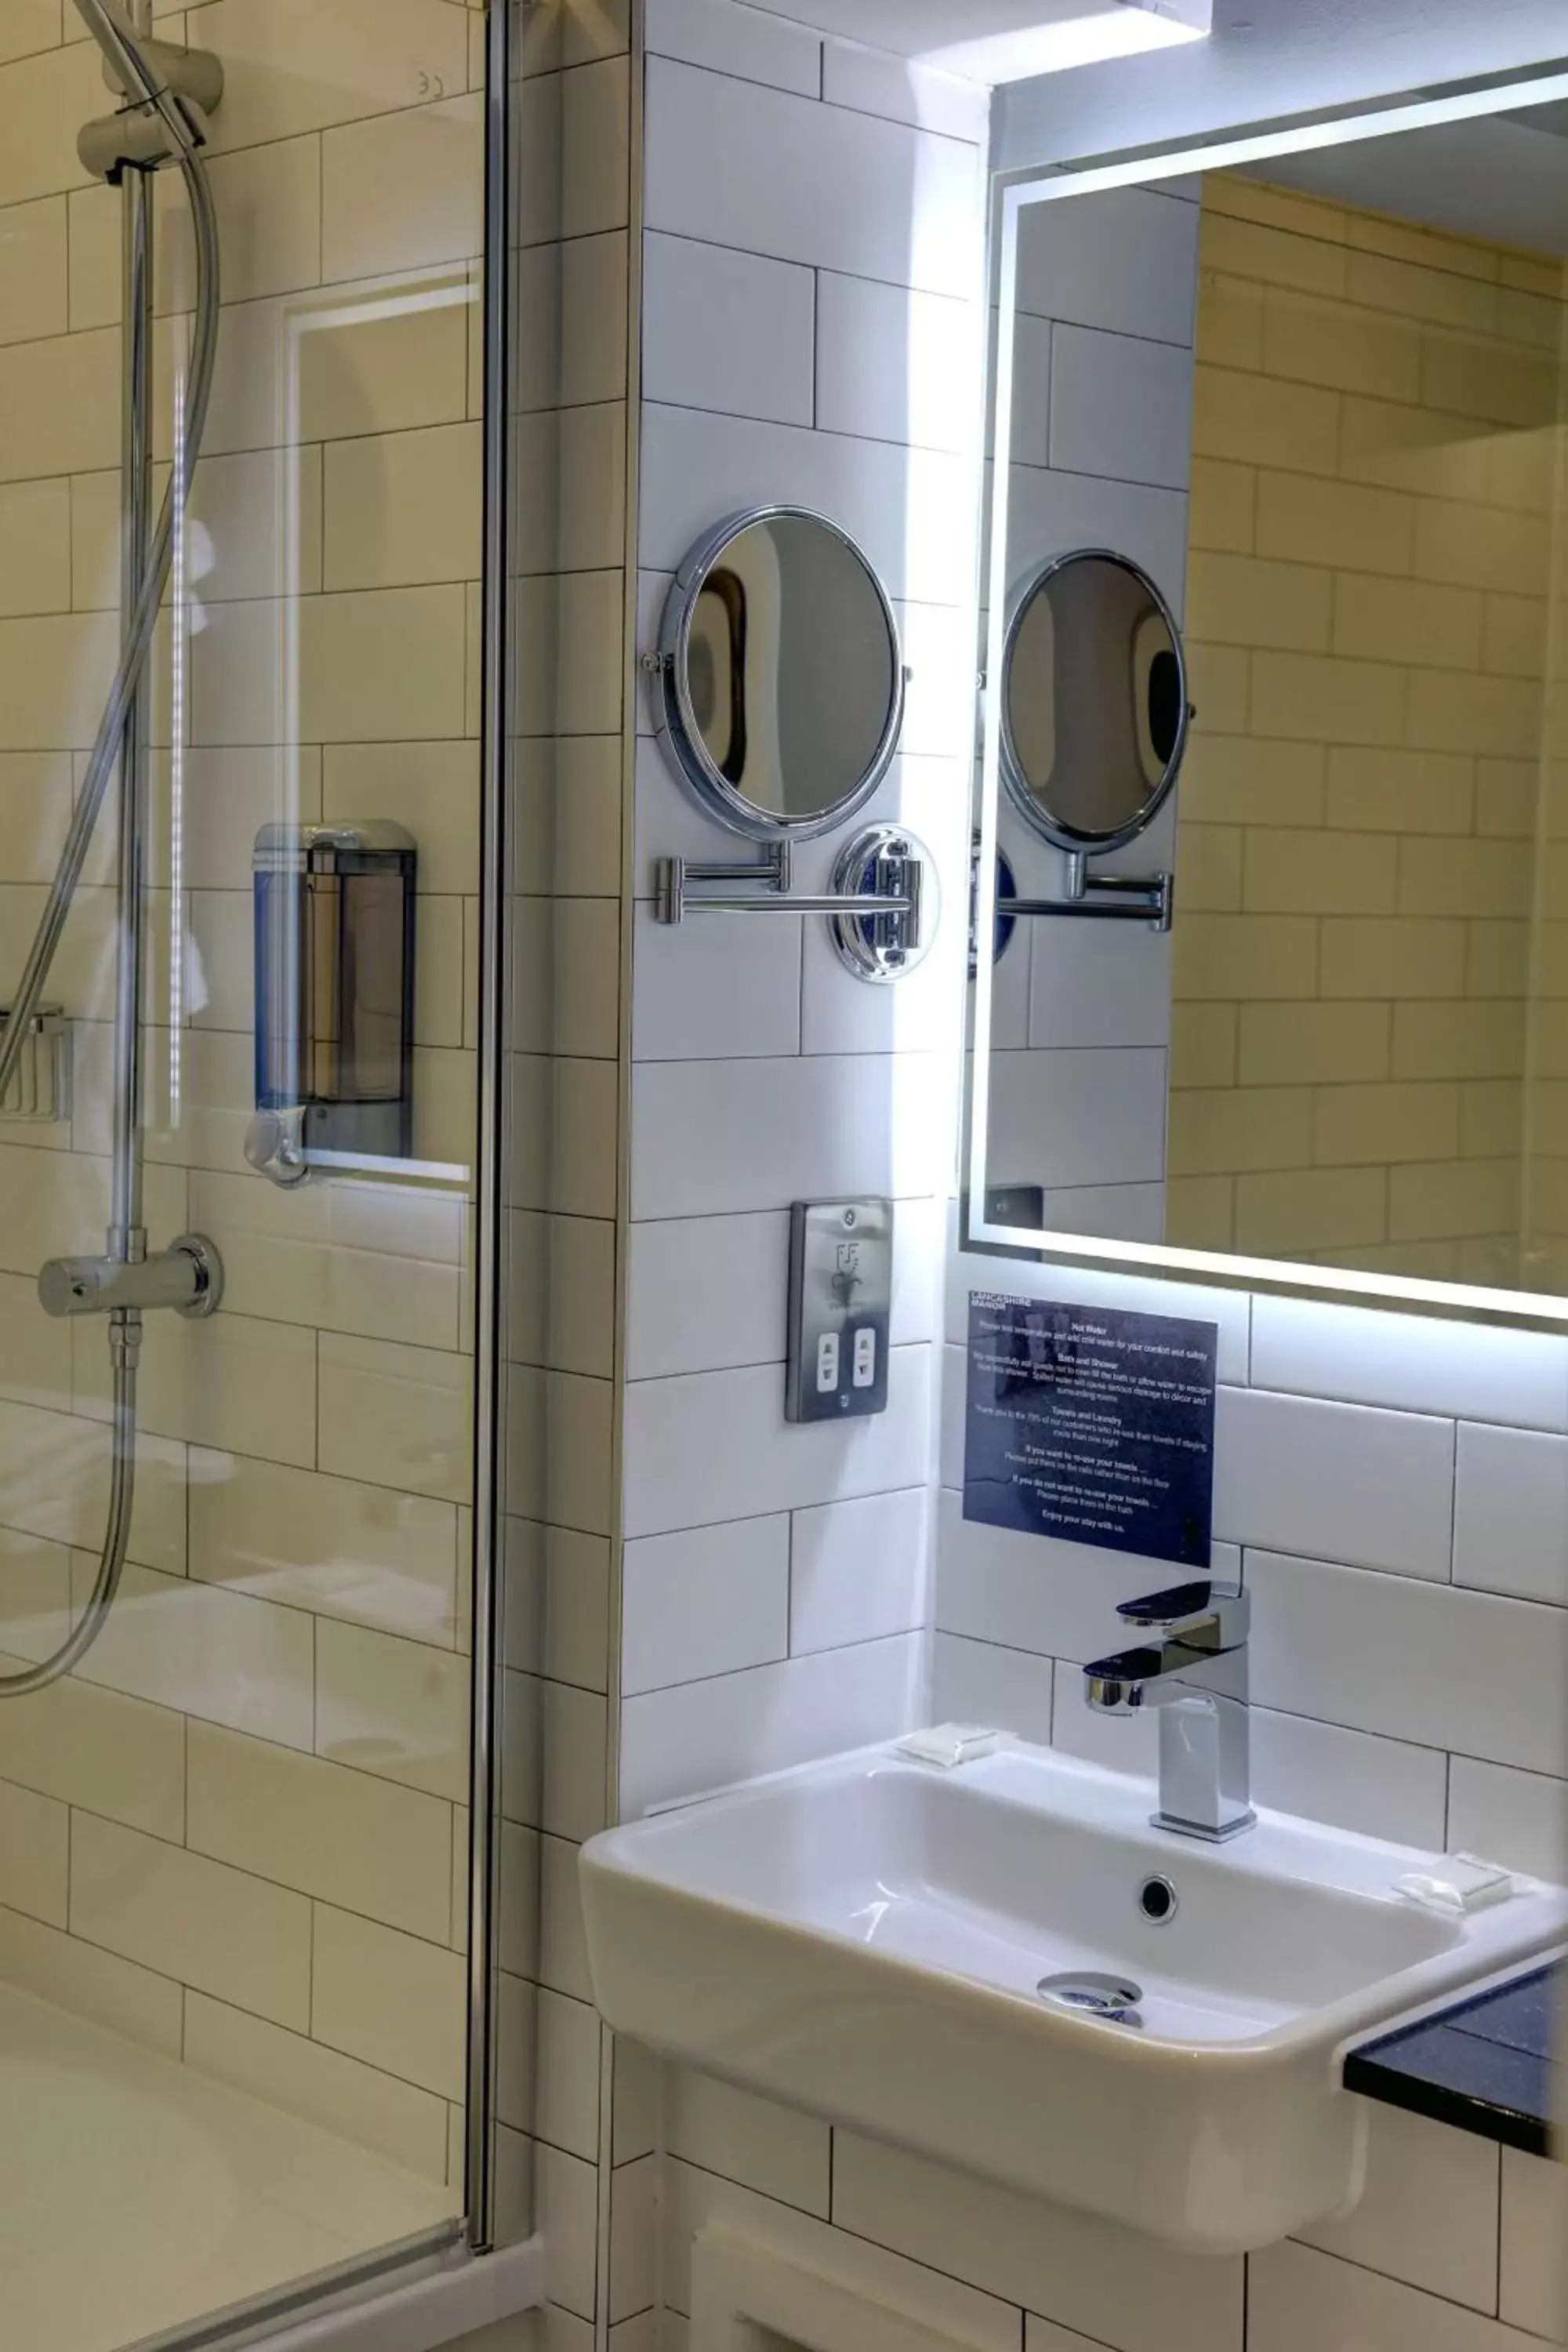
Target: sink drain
[[1158, 1900], [1116, 1998]]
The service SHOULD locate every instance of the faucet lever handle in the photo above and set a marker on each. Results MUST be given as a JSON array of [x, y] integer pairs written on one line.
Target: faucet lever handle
[[1224, 1609]]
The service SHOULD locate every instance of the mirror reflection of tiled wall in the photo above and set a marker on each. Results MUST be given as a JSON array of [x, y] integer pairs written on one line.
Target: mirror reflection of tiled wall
[[1101, 455], [1375, 442]]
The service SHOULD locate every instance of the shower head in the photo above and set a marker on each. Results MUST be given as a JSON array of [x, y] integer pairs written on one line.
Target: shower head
[[168, 92]]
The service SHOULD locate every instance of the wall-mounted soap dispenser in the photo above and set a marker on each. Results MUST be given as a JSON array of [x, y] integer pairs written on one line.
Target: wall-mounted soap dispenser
[[334, 998]]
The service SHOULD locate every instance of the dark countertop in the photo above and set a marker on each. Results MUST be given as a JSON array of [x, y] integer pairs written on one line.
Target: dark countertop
[[1486, 2065]]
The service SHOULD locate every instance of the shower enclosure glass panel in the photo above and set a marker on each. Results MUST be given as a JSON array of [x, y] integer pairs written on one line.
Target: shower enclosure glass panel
[[234, 1836]]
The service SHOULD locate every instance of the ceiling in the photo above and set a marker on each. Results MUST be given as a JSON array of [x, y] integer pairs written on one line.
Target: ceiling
[[1268, 57], [1003, 40], [1504, 178]]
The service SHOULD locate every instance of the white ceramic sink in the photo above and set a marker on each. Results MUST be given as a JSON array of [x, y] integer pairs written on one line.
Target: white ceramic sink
[[864, 1938]]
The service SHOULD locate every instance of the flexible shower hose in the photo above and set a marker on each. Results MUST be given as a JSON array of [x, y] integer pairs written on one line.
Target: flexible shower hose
[[124, 1336]]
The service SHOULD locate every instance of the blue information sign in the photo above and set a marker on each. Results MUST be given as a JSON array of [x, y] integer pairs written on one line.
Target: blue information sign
[[1091, 1424]]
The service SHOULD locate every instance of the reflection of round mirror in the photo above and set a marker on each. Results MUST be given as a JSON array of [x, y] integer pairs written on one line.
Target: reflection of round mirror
[[1094, 701], [783, 685]]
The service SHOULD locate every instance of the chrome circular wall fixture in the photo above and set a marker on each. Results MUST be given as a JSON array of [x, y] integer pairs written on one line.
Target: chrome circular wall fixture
[[885, 861], [1094, 701], [778, 674], [1007, 894]]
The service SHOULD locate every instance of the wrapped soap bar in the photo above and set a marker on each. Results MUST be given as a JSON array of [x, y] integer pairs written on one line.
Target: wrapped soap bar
[[948, 1744], [1460, 1883]]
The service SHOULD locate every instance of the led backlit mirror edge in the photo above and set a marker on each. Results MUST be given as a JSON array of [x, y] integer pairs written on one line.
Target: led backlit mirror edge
[[1457, 102]]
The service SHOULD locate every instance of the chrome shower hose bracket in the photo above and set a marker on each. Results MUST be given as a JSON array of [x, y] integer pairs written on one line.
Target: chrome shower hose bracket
[[881, 910], [166, 90]]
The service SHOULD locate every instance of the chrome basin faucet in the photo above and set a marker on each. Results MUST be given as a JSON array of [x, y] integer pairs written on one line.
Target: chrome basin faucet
[[1195, 1673]]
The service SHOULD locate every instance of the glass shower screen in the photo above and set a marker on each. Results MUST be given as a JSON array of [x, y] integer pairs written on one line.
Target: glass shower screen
[[235, 2039]]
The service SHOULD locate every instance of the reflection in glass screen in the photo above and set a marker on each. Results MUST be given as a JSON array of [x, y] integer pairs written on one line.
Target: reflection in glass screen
[[1093, 697]]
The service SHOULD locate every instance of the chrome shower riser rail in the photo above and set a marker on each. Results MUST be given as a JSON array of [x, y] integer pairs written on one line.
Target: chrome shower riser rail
[[125, 1211], [127, 1278], [143, 620]]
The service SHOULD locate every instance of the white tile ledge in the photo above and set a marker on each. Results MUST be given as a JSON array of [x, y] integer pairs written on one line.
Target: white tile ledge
[[454, 2297]]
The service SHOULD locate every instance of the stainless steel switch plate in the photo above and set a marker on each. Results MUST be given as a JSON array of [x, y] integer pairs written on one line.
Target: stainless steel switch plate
[[840, 1298]]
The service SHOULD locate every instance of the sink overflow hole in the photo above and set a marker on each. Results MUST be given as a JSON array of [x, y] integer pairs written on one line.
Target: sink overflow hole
[[1157, 1900], [1112, 1996]]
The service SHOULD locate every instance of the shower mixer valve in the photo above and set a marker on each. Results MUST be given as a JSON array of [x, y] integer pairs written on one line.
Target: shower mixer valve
[[188, 1277]]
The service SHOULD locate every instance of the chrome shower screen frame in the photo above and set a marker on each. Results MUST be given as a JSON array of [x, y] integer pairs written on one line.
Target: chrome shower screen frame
[[491, 1215]]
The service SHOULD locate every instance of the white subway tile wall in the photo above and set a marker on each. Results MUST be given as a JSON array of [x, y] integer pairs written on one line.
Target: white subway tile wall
[[241, 1837], [774, 1596], [1454, 2244], [574, 266], [237, 1833], [1367, 1535], [810, 334], [1376, 418], [775, 1577]]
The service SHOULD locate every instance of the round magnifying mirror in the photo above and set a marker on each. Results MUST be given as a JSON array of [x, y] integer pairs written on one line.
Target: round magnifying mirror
[[1094, 700], [782, 680]]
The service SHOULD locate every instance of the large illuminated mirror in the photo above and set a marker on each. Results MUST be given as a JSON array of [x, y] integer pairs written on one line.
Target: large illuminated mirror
[[1272, 826]]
